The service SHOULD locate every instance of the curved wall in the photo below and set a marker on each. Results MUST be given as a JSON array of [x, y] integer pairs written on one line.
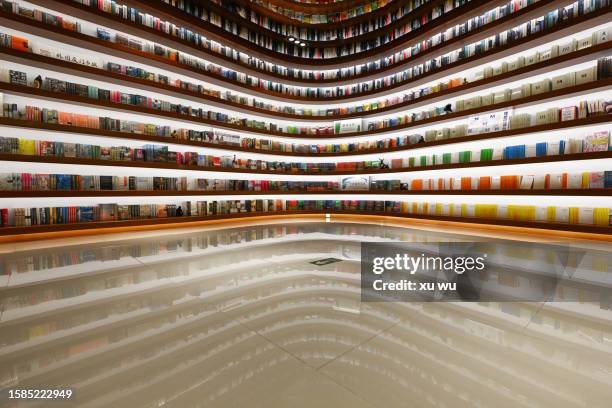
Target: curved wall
[[114, 118]]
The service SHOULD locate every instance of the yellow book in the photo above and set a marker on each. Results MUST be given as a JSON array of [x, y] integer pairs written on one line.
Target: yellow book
[[522, 212], [574, 215], [439, 209], [27, 146], [552, 214], [485, 210], [585, 179], [601, 217]]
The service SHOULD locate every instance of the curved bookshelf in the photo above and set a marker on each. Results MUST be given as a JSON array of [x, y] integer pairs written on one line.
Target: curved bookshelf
[[595, 86], [314, 7], [489, 29], [566, 192], [220, 35], [194, 219], [421, 113], [166, 10], [174, 91], [174, 166], [592, 120]]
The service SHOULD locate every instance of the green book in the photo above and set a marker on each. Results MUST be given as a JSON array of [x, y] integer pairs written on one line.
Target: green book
[[411, 162], [423, 161], [447, 158], [486, 154], [465, 157]]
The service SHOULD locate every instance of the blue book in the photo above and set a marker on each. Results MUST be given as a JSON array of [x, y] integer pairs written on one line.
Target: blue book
[[541, 149], [63, 181], [608, 179]]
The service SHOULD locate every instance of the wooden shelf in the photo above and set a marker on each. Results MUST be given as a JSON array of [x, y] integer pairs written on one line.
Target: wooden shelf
[[184, 221], [166, 11], [593, 120], [29, 24], [222, 36], [321, 8], [243, 45], [173, 91], [174, 166], [591, 87], [595, 192]]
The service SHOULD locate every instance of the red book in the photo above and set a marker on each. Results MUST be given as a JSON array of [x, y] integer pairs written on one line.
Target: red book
[[4, 214]]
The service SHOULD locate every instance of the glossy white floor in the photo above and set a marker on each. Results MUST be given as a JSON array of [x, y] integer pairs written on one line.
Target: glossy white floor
[[239, 317]]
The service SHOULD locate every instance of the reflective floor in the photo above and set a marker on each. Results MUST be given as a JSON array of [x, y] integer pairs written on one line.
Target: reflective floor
[[241, 317]]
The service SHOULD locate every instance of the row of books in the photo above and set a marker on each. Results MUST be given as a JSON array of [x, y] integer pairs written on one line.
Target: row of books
[[534, 26], [79, 182], [592, 142], [235, 26], [277, 87], [402, 76], [478, 124], [20, 217], [602, 70], [549, 181], [289, 48], [344, 31], [335, 16], [238, 26], [161, 154], [118, 97], [25, 217]]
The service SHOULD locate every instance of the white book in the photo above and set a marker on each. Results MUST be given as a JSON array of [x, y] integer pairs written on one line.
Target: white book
[[555, 181], [539, 182], [526, 182], [574, 180], [495, 182], [541, 214], [446, 209], [562, 214], [469, 210], [552, 148], [567, 47], [475, 157], [431, 208], [456, 210], [585, 215]]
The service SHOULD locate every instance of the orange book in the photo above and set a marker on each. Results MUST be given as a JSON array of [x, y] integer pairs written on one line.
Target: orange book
[[416, 184], [19, 44], [484, 183], [466, 183], [80, 120], [455, 82], [508, 182], [65, 118], [440, 184]]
